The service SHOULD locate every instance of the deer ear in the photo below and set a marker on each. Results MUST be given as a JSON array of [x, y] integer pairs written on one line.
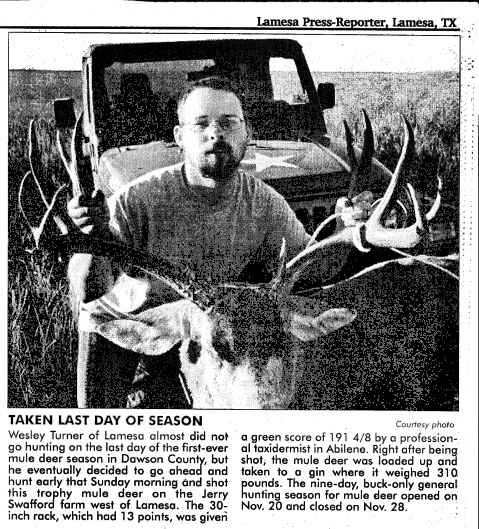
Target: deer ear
[[152, 332], [335, 318], [307, 326]]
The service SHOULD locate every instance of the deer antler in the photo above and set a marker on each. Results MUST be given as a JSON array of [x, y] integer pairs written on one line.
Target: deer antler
[[77, 167], [373, 233], [32, 194], [361, 172], [72, 240], [437, 202]]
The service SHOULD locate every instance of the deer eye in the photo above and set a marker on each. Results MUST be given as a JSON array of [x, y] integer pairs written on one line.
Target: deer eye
[[223, 347], [194, 351]]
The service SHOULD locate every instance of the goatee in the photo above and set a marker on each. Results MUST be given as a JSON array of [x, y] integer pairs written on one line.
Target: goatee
[[221, 163]]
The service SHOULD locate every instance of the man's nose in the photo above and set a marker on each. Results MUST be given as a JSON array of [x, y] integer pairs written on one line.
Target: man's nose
[[215, 131]]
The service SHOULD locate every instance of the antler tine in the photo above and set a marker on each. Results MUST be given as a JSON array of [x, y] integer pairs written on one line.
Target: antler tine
[[38, 229], [361, 172], [407, 154], [76, 147], [34, 155], [61, 150], [408, 237], [437, 202], [349, 144], [34, 229], [46, 186], [279, 275], [81, 184], [368, 148], [40, 234], [43, 190]]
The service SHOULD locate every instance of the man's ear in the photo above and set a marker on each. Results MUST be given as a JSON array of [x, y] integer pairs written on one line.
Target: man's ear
[[178, 134]]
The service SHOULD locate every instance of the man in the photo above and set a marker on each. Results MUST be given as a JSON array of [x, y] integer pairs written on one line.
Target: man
[[206, 213]]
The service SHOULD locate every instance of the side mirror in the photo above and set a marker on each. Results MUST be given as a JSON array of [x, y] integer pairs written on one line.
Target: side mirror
[[327, 95], [65, 117]]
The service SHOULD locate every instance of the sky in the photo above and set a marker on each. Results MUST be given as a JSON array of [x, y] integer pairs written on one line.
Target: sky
[[400, 53]]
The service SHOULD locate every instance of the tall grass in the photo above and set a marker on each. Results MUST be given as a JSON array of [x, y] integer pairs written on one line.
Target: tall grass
[[430, 101], [43, 337], [42, 334]]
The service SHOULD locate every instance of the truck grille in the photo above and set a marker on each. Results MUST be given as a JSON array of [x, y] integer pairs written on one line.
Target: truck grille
[[312, 212], [443, 233]]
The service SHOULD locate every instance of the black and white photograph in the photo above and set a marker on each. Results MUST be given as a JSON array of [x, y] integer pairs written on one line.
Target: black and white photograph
[[300, 250], [241, 264]]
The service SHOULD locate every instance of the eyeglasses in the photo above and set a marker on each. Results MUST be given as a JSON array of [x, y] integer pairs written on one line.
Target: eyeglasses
[[227, 123]]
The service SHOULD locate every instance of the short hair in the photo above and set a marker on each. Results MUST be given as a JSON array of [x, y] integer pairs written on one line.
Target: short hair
[[213, 82]]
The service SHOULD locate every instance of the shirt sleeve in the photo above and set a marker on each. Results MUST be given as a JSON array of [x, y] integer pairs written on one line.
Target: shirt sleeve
[[279, 222], [126, 218], [283, 223]]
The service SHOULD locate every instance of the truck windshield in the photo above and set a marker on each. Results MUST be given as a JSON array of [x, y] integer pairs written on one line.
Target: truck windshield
[[138, 101]]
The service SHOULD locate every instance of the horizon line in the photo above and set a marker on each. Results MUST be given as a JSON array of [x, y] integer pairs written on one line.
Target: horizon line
[[276, 71]]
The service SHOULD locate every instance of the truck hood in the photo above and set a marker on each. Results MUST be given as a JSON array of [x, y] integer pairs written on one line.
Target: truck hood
[[293, 168]]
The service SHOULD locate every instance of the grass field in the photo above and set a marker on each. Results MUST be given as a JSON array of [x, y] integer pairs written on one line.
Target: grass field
[[42, 335]]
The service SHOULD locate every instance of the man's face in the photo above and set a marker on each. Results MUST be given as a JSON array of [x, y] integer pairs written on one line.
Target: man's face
[[209, 149]]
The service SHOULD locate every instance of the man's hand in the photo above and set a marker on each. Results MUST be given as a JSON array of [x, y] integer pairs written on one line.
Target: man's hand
[[354, 211], [90, 214]]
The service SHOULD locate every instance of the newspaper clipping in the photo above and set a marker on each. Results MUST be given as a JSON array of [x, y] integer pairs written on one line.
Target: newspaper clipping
[[242, 264]]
